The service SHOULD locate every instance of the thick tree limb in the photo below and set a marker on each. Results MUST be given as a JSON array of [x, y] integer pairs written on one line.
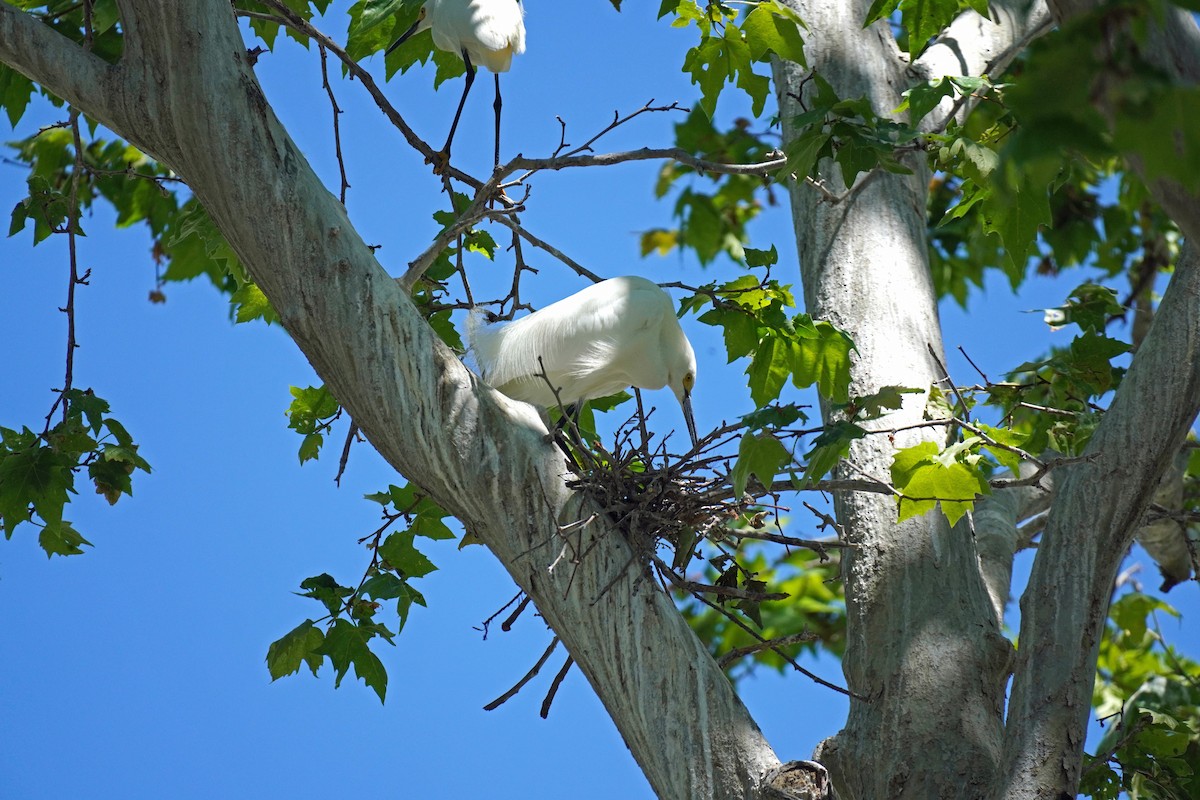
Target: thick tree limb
[[46, 57], [996, 532], [921, 628], [1098, 507], [980, 47], [193, 101]]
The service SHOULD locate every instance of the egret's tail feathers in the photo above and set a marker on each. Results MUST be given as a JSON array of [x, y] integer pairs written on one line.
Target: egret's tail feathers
[[484, 341]]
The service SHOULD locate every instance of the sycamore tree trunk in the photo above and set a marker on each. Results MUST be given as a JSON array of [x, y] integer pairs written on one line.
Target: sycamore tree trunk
[[923, 639], [924, 648]]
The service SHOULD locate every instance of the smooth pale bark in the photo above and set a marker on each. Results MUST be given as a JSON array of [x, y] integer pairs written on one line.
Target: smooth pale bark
[[922, 633], [995, 520], [862, 262], [1097, 508], [185, 93], [1099, 505]]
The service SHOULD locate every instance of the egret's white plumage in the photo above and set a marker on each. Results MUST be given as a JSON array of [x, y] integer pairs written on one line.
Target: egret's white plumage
[[615, 334], [485, 33], [491, 32]]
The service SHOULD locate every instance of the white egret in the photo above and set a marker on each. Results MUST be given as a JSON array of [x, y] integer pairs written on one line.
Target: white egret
[[615, 334], [484, 32]]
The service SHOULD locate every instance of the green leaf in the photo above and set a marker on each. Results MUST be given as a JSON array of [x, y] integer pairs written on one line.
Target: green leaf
[[925, 482], [740, 330], [874, 406], [301, 645], [925, 97], [15, 93], [389, 586], [1014, 217], [1006, 458], [828, 449], [327, 591], [399, 553], [346, 646], [374, 12], [769, 369], [774, 417], [250, 303], [38, 477], [823, 357], [768, 31], [111, 478], [761, 456], [60, 539], [761, 258]]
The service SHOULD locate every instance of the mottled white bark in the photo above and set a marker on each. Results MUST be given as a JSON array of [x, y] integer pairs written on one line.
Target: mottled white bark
[[185, 93], [1099, 505], [922, 641], [996, 519], [923, 635], [1097, 508]]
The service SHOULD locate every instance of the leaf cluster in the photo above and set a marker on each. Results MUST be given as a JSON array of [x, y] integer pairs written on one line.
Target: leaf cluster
[[1149, 696], [730, 46], [350, 625], [38, 471]]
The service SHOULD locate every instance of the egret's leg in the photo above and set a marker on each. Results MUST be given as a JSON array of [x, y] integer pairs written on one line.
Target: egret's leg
[[445, 154], [565, 434], [637, 393], [496, 105]]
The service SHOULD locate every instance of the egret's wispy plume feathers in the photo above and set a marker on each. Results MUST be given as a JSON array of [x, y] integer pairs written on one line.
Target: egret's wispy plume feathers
[[615, 334]]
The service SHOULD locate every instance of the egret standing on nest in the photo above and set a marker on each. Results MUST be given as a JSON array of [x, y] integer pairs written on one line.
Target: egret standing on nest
[[484, 32], [615, 334]]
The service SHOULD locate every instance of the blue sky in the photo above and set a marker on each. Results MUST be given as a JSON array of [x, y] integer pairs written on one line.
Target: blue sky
[[136, 671]]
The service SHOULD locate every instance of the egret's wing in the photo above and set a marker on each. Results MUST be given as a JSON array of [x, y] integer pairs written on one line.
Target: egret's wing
[[583, 341]]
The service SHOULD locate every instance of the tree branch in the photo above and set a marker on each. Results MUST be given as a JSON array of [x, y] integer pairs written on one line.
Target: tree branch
[[978, 46], [60, 65], [645, 154], [1098, 507]]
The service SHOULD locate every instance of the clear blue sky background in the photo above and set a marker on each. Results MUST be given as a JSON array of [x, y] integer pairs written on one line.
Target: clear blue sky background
[[136, 671]]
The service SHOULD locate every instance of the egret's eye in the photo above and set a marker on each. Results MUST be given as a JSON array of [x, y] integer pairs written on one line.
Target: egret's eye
[[689, 381]]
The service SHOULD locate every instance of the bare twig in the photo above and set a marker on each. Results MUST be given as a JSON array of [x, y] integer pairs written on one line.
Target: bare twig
[[486, 624], [554, 684], [769, 644], [337, 135], [350, 434], [291, 19], [551, 249], [555, 163], [504, 698]]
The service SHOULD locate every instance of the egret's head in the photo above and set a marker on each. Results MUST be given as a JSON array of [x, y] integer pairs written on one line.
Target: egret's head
[[682, 379]]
